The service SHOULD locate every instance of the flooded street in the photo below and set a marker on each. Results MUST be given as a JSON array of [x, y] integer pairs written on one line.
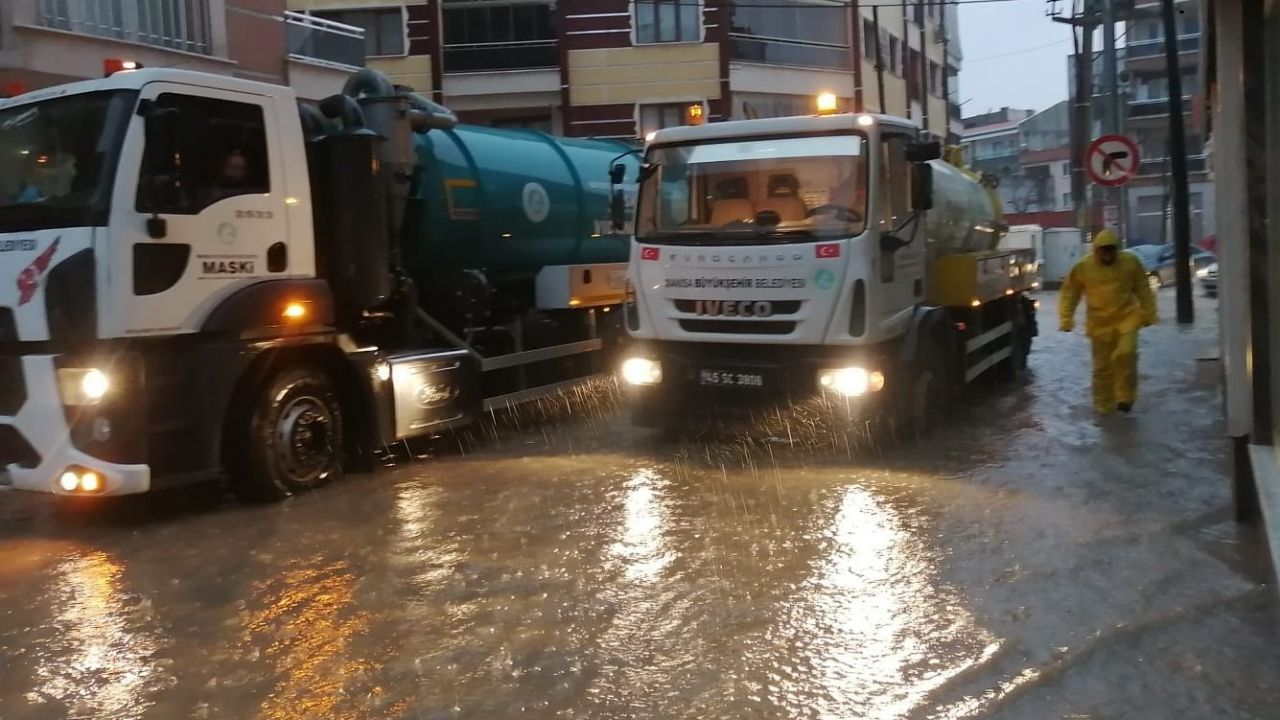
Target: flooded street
[[1025, 561]]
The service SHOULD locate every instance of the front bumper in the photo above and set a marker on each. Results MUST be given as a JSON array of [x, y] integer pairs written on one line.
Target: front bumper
[[36, 445], [788, 375]]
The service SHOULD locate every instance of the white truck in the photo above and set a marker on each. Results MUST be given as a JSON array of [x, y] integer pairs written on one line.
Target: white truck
[[780, 259], [202, 278]]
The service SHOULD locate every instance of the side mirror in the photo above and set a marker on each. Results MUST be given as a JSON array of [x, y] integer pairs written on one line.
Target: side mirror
[[618, 211], [892, 243], [921, 187], [924, 150], [617, 174]]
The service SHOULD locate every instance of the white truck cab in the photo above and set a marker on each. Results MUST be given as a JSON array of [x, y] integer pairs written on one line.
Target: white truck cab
[[778, 259]]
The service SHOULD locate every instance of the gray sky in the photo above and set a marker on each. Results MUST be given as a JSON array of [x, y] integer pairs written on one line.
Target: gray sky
[[1013, 55]]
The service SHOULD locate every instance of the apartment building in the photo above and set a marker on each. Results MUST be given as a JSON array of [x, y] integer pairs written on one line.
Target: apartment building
[[622, 68], [45, 42], [1146, 117], [992, 144]]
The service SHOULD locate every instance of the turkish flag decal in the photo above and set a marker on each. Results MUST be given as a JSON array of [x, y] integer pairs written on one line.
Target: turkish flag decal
[[830, 250], [650, 253]]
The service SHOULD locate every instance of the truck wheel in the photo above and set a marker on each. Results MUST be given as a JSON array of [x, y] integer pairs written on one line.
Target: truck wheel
[[929, 400], [293, 439]]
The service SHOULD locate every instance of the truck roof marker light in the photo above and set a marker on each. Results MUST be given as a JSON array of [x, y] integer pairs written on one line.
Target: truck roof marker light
[[651, 136], [866, 120], [111, 66], [976, 303], [827, 103], [291, 201], [1008, 291], [294, 311], [506, 236]]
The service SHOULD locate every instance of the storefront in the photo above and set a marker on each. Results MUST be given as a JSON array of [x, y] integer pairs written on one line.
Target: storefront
[[1242, 65]]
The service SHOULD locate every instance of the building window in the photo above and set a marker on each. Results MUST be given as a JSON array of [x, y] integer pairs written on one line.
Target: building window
[[1066, 169], [895, 56], [658, 117], [935, 79], [917, 12], [666, 21], [541, 123], [769, 105], [498, 37], [1066, 200], [869, 40], [787, 32], [1190, 24], [384, 28]]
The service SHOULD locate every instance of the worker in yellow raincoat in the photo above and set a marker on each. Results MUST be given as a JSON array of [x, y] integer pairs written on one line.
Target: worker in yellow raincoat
[[1118, 302]]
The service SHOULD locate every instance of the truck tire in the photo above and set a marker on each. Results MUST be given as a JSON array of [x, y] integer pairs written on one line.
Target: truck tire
[[293, 438]]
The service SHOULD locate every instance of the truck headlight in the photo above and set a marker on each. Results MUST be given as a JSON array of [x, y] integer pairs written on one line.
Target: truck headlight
[[851, 381], [642, 371], [83, 386], [1202, 272]]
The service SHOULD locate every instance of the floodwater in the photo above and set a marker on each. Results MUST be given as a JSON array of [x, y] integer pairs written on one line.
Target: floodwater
[[1026, 561]]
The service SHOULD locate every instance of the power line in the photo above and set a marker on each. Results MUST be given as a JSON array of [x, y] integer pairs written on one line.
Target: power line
[[1016, 52]]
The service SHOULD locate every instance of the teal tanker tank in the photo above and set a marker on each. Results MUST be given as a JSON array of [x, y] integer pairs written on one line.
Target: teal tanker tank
[[501, 204]]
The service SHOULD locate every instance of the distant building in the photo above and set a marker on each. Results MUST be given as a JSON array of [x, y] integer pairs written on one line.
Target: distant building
[[992, 147], [46, 42], [1147, 120], [623, 68]]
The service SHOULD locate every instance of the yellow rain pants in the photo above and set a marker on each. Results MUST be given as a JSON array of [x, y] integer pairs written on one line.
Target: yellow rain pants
[[1118, 302]]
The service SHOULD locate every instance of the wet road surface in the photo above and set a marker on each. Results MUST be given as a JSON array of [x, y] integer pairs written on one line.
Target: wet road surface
[[1026, 561]]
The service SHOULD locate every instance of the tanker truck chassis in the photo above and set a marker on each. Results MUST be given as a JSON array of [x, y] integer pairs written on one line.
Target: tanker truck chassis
[[203, 278], [833, 256]]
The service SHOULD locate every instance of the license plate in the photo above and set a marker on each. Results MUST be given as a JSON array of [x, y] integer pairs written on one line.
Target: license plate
[[730, 378]]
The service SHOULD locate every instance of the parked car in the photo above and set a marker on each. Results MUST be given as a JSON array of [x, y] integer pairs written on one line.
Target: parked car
[[1209, 281], [1158, 260]]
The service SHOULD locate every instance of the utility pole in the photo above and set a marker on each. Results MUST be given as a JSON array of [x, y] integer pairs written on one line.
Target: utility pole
[[1178, 166], [875, 22], [923, 17], [1081, 119], [1111, 116], [946, 73]]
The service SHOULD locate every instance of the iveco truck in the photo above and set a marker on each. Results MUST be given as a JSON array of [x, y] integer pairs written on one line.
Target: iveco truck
[[202, 278], [834, 255]]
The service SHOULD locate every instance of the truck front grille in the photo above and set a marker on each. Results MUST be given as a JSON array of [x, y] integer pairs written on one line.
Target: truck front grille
[[15, 450], [739, 327], [779, 307], [8, 326], [13, 387]]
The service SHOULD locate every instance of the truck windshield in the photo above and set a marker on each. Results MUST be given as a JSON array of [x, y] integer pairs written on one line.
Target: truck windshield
[[57, 159], [759, 191]]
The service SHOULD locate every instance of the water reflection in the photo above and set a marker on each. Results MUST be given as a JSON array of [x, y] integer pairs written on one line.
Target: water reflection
[[641, 546], [307, 629], [99, 664], [876, 633]]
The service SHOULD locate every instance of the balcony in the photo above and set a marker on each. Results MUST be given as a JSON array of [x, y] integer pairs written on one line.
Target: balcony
[[487, 57], [324, 41], [1156, 108], [1155, 48], [1162, 166], [176, 25]]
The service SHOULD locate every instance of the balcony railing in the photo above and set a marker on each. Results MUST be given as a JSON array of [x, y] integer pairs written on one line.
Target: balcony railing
[[315, 38], [1158, 107], [1155, 48], [1162, 166], [173, 24], [481, 57]]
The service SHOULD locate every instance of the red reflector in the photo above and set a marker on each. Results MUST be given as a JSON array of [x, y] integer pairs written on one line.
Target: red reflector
[[961, 327], [650, 253], [12, 89], [828, 251]]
